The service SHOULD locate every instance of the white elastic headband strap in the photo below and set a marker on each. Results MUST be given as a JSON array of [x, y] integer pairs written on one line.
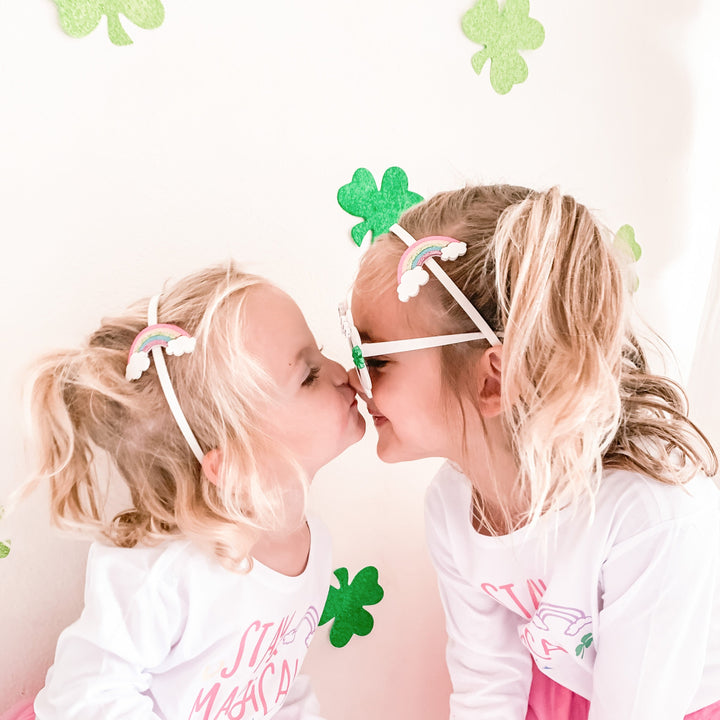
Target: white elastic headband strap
[[167, 387], [451, 287]]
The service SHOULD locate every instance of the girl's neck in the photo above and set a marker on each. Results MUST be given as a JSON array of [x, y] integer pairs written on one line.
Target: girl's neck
[[490, 465], [286, 553]]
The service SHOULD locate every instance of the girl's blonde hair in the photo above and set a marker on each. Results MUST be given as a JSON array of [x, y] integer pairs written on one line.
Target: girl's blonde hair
[[577, 395], [80, 405]]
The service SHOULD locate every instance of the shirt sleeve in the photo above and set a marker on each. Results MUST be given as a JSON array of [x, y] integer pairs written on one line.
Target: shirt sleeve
[[489, 668], [102, 661], [657, 593]]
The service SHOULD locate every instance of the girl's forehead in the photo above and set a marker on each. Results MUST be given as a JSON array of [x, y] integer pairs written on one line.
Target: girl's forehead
[[380, 316]]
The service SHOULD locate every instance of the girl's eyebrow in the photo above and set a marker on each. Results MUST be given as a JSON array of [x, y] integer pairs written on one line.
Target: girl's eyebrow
[[367, 337]]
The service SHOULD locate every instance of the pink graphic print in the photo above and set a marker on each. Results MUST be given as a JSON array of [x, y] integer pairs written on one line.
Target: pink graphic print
[[549, 621], [267, 650]]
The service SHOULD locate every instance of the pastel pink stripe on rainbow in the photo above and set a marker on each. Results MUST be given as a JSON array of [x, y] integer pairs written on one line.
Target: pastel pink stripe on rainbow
[[154, 335], [419, 252]]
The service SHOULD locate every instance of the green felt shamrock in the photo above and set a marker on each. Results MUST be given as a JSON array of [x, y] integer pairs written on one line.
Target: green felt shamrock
[[630, 253], [4, 546], [80, 17], [380, 208], [502, 33], [345, 604], [585, 643]]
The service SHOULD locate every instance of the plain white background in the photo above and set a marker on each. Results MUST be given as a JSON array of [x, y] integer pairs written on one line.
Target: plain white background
[[227, 132]]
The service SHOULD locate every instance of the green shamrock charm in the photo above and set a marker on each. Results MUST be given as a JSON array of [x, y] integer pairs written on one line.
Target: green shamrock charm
[[630, 253], [80, 17], [380, 208], [345, 604], [585, 643], [502, 33], [358, 358]]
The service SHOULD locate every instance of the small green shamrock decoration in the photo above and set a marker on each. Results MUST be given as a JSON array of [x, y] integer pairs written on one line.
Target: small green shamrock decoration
[[502, 33], [585, 643], [380, 208], [345, 604], [630, 252], [80, 17], [4, 546]]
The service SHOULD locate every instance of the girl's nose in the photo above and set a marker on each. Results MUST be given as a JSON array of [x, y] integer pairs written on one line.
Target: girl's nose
[[354, 382], [338, 373]]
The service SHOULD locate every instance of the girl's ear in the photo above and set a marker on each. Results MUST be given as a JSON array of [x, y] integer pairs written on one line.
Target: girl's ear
[[211, 465], [489, 377]]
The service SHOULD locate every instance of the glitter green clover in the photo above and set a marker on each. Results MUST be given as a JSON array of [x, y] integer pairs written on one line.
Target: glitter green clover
[[80, 17], [502, 33], [379, 208], [345, 604]]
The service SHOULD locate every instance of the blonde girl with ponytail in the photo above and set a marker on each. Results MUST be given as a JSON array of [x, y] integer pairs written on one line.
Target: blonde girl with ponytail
[[575, 528], [213, 407]]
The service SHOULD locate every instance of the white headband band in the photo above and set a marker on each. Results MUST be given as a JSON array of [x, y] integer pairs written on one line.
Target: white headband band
[[167, 387], [451, 287]]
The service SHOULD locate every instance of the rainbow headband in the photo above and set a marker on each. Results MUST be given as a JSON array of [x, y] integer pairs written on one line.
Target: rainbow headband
[[411, 273], [150, 341]]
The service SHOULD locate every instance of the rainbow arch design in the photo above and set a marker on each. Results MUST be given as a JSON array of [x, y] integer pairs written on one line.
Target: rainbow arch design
[[155, 335], [421, 251]]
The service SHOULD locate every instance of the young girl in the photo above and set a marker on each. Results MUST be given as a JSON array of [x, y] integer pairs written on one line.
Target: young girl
[[204, 595], [574, 530]]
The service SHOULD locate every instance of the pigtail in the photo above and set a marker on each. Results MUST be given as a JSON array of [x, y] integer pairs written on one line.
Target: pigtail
[[60, 443], [563, 345]]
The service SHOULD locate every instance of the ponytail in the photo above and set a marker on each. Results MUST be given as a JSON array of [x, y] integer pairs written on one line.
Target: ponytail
[[560, 297]]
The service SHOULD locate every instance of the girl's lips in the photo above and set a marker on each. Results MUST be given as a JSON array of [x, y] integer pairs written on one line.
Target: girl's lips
[[379, 419]]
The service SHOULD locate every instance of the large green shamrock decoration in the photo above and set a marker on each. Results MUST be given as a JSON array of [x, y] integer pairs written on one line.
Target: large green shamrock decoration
[[80, 17], [345, 604], [630, 253], [502, 33], [380, 208]]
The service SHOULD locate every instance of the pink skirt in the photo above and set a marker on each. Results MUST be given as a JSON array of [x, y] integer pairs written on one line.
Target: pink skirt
[[22, 711], [550, 701]]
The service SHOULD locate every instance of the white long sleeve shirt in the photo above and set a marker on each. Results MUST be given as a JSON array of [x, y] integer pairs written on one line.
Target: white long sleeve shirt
[[167, 633], [624, 610]]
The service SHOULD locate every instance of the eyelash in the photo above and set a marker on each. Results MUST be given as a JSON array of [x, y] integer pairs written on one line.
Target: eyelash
[[376, 363], [312, 376]]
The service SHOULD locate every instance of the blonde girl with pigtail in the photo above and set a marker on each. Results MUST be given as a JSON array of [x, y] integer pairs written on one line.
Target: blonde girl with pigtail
[[213, 406], [575, 528]]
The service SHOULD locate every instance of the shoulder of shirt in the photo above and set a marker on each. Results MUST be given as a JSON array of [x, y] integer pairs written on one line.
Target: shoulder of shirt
[[640, 502], [145, 563]]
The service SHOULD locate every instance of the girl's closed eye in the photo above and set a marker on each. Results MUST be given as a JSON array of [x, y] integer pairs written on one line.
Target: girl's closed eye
[[311, 377], [376, 363]]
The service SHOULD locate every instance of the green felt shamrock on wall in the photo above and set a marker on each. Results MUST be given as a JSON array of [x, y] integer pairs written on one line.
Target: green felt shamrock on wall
[[4, 546], [345, 604], [630, 253], [80, 17], [379, 208], [502, 33]]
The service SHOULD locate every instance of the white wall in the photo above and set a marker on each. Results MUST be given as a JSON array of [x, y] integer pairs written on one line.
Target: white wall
[[227, 131]]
